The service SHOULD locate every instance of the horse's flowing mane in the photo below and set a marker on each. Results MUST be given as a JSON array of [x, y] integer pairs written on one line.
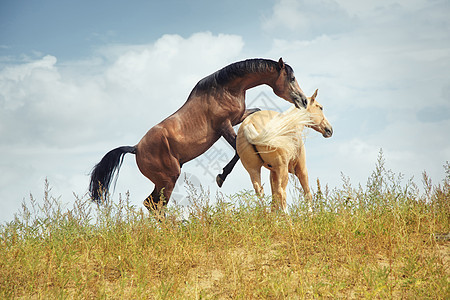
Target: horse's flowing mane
[[240, 69], [281, 132]]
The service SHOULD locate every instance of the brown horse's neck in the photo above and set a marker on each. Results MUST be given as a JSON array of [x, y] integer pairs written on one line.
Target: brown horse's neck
[[241, 76], [252, 80]]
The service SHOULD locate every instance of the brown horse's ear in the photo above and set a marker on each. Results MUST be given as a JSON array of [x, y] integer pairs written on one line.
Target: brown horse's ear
[[313, 97], [281, 63]]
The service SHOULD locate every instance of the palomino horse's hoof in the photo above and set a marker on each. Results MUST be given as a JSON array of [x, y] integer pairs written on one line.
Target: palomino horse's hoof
[[219, 180]]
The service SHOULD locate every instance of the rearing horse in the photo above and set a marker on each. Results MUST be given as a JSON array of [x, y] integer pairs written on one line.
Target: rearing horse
[[214, 106]]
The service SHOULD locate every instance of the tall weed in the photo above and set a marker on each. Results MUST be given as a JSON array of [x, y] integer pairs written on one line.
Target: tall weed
[[384, 240]]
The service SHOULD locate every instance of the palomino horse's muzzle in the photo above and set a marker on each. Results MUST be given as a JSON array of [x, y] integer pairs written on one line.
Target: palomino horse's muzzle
[[327, 132], [326, 128]]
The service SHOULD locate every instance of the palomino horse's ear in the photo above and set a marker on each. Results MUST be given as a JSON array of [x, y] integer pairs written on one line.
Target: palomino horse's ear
[[313, 97], [281, 63]]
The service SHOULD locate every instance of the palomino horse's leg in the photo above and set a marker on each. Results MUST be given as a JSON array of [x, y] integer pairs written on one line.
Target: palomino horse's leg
[[302, 174], [278, 181], [253, 163], [230, 136], [255, 176]]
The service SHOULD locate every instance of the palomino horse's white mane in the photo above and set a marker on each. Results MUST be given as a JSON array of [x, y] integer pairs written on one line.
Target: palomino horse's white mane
[[283, 131]]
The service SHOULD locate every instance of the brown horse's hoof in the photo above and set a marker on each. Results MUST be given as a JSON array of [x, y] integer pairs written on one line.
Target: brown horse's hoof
[[219, 180]]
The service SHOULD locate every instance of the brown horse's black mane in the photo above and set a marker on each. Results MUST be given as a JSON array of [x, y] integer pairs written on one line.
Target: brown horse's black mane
[[239, 69]]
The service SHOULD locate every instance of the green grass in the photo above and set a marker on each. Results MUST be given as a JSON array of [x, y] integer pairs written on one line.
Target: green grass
[[373, 242]]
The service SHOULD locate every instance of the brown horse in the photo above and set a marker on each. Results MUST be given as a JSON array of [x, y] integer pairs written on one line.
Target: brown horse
[[273, 140], [215, 105]]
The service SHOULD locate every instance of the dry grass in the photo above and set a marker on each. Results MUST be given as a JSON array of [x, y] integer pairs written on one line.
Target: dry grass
[[376, 242]]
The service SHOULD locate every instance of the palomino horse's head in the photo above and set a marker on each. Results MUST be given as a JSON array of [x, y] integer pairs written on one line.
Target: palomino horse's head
[[318, 119], [286, 86]]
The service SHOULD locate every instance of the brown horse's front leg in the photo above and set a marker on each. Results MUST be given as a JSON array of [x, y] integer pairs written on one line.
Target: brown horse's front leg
[[227, 170], [230, 136], [228, 133], [227, 130], [247, 113]]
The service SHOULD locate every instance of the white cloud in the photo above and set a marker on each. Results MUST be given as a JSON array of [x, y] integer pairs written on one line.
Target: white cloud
[[382, 82], [364, 8], [172, 62], [383, 62], [307, 19]]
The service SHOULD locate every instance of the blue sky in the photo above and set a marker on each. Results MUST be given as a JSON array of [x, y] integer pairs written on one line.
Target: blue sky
[[70, 29], [78, 79]]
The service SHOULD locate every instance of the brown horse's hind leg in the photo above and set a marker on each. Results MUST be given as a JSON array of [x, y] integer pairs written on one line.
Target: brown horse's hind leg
[[153, 201], [159, 198], [156, 162]]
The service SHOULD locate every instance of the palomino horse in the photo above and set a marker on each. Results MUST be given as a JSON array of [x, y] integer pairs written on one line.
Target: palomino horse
[[273, 140], [215, 105]]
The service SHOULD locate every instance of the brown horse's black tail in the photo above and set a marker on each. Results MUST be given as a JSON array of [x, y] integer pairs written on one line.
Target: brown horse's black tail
[[105, 171]]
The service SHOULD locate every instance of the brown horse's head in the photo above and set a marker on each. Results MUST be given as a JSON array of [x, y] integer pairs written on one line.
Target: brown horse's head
[[286, 86], [318, 119]]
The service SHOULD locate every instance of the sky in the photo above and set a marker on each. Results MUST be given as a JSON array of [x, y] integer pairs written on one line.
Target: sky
[[79, 78]]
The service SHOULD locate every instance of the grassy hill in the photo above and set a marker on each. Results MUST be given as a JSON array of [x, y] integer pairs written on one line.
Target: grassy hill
[[384, 240]]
